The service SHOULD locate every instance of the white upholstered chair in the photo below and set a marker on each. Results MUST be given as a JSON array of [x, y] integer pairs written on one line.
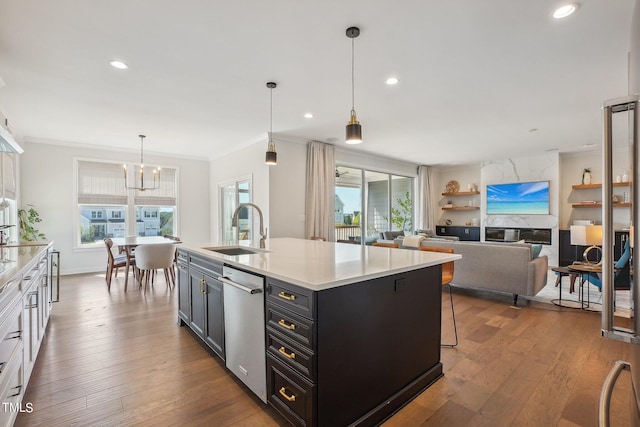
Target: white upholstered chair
[[152, 257]]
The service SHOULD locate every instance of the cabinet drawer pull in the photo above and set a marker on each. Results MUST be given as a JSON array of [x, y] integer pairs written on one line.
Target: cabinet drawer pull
[[283, 393], [290, 326], [2, 365], [283, 351], [288, 297], [19, 388], [182, 267], [14, 335]]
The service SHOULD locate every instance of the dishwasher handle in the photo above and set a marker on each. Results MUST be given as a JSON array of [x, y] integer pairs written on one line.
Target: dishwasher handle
[[239, 286]]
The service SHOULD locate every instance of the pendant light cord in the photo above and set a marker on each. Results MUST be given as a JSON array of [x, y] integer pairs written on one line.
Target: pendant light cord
[[141, 150], [271, 116], [353, 90]]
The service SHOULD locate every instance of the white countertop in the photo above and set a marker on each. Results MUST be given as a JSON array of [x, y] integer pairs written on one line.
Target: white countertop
[[15, 259], [318, 265]]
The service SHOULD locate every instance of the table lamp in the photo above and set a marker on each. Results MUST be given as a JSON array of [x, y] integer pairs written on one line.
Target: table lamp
[[588, 235]]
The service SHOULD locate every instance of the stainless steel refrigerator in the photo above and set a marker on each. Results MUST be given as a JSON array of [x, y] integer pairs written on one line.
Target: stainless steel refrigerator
[[620, 128]]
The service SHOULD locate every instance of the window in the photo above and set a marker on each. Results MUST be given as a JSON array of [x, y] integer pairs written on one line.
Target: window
[[368, 203], [107, 209]]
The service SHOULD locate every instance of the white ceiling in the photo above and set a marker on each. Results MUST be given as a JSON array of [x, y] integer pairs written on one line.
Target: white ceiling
[[475, 76]]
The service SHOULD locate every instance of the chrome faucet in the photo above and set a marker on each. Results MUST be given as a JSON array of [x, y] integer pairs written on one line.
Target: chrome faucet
[[234, 222]]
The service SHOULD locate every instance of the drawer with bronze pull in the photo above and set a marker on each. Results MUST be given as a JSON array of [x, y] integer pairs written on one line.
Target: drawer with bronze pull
[[290, 393], [294, 298], [290, 325], [297, 357]]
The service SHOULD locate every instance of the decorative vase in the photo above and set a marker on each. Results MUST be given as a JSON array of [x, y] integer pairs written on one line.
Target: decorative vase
[[625, 176], [586, 177]]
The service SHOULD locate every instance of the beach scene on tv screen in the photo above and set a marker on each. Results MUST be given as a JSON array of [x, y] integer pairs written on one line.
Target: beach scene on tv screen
[[519, 198]]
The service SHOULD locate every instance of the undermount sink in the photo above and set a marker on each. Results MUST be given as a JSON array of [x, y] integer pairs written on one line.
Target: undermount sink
[[235, 250]]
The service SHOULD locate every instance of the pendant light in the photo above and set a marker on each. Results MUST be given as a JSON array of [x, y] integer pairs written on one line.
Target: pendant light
[[271, 157], [156, 173], [354, 130]]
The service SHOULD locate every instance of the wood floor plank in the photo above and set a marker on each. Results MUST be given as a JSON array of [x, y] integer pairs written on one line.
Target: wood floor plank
[[119, 359]]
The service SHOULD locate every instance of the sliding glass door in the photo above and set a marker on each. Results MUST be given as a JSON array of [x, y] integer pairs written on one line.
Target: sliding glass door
[[368, 203]]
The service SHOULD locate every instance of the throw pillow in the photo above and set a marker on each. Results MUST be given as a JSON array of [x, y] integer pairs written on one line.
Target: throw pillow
[[535, 251]]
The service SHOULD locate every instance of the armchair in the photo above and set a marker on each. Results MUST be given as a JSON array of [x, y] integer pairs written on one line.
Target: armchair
[[622, 274]]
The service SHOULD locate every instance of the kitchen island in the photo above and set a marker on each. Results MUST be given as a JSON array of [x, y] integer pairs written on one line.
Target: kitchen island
[[351, 333]]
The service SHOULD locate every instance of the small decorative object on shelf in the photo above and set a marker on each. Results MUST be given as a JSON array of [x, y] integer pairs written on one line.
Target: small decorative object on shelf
[[453, 187], [586, 176], [625, 176]]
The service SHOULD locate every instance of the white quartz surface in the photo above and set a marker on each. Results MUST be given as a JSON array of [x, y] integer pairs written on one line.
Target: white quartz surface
[[318, 265], [15, 259]]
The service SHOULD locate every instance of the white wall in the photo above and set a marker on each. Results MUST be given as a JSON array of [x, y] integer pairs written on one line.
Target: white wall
[[287, 187], [344, 157], [47, 182]]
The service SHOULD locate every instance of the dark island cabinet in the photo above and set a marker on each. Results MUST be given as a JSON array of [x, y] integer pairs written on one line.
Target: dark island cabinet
[[352, 354], [201, 299]]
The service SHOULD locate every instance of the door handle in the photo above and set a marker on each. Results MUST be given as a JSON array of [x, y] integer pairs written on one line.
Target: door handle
[[239, 286]]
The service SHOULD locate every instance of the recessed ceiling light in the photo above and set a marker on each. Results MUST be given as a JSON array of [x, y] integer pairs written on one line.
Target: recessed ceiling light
[[392, 81], [118, 64], [308, 115], [564, 11], [588, 145], [533, 130], [332, 139]]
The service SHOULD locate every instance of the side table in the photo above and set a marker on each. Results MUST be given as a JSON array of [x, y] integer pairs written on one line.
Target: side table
[[573, 275]]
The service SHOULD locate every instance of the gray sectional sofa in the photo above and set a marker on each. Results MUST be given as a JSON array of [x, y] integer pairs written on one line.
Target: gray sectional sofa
[[514, 268]]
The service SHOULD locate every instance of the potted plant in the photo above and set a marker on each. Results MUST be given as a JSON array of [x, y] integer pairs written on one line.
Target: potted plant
[[28, 219]]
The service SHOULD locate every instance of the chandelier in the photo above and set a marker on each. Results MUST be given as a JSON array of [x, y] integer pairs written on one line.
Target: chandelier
[[156, 172]]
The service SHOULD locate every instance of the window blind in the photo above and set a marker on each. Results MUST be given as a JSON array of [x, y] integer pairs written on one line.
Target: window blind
[[165, 195], [101, 183]]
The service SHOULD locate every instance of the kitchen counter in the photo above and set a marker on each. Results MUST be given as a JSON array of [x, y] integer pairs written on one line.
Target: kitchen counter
[[318, 265], [15, 258], [25, 306]]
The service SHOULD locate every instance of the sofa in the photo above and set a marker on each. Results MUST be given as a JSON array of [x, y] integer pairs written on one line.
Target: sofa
[[515, 268]]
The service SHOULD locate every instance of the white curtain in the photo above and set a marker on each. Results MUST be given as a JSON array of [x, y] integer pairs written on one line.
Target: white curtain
[[426, 198], [320, 194]]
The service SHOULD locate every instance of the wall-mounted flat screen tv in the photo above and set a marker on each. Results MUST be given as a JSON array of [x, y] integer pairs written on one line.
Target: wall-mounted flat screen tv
[[518, 198]]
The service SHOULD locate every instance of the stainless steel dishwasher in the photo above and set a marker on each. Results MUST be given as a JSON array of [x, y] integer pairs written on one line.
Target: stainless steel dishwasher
[[244, 328]]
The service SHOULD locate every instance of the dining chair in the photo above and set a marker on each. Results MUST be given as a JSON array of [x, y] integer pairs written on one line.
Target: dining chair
[[155, 256], [447, 277], [385, 245], [175, 256], [115, 262]]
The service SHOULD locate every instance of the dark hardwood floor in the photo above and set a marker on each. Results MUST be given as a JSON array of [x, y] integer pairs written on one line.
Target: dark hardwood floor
[[115, 359]]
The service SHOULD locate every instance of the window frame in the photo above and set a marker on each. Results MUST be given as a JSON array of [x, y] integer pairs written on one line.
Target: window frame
[[129, 215]]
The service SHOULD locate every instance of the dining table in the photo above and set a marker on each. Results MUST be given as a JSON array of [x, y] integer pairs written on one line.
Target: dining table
[[128, 244]]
